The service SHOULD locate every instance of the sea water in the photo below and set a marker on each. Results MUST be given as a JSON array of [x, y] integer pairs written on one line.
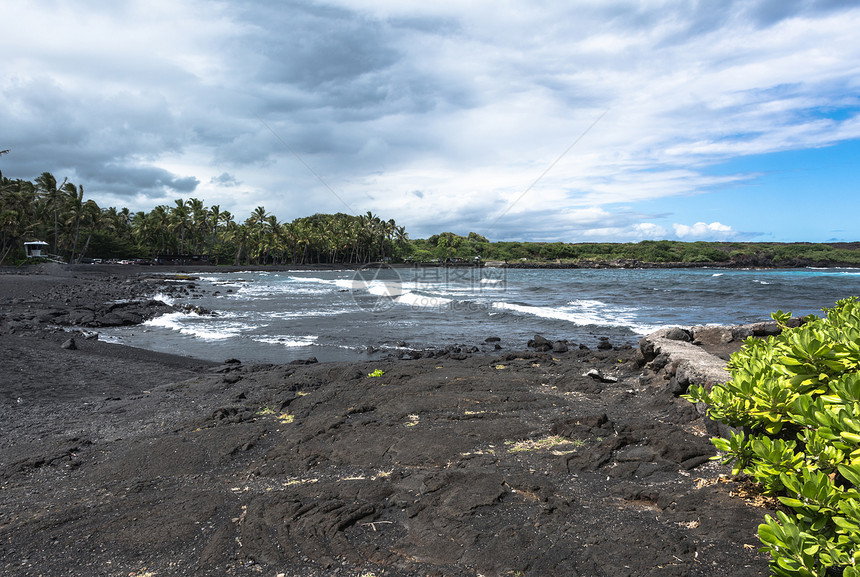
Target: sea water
[[276, 317]]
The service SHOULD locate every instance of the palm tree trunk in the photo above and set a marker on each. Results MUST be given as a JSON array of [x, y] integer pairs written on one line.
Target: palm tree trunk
[[86, 244], [75, 243]]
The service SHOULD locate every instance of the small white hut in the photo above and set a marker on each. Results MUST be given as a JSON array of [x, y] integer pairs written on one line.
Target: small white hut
[[34, 248]]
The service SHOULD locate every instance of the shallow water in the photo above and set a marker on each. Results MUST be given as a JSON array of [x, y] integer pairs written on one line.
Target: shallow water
[[335, 315]]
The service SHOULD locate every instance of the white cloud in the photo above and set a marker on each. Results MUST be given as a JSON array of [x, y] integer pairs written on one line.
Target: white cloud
[[649, 231], [702, 231], [468, 103]]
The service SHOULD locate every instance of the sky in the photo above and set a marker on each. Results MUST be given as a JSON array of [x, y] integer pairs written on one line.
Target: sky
[[535, 120]]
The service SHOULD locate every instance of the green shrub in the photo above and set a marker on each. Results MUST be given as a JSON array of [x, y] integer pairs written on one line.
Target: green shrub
[[795, 401]]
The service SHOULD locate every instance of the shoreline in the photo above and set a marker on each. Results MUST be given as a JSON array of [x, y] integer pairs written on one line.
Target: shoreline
[[135, 269], [682, 265], [65, 306], [115, 460]]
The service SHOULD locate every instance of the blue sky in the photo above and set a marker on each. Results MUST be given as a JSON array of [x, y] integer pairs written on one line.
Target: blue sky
[[799, 195], [609, 120]]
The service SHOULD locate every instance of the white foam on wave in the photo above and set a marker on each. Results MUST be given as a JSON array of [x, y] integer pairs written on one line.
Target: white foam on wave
[[231, 284], [163, 298], [422, 301], [381, 288], [300, 314], [718, 274], [547, 313], [396, 291], [208, 329], [289, 342], [274, 290], [258, 290], [384, 288], [354, 283], [475, 290], [582, 313], [836, 270], [586, 303], [306, 291], [313, 280], [293, 285]]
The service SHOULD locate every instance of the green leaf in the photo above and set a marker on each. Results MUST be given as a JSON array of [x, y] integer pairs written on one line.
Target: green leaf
[[794, 503], [845, 524], [850, 472], [797, 395]]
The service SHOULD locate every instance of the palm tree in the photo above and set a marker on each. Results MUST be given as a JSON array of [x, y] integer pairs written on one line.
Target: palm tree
[[18, 215], [289, 232], [121, 221], [238, 234], [180, 217], [9, 232], [17, 219], [199, 223], [302, 234], [401, 240], [274, 235], [47, 185], [215, 216], [160, 217], [258, 223], [74, 202], [143, 231], [96, 218], [387, 230], [226, 219], [26, 208]]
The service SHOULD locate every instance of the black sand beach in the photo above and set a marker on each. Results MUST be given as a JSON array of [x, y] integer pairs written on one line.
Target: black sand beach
[[117, 461]]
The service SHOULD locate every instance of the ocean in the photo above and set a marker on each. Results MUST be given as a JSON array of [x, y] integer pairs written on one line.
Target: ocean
[[277, 317]]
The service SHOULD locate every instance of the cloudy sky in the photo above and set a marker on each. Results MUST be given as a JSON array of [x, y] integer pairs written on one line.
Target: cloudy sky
[[575, 120]]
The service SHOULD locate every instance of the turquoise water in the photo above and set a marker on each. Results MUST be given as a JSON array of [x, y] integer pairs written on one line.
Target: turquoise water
[[336, 315]]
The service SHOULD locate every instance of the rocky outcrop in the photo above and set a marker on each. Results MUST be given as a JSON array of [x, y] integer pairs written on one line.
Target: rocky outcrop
[[71, 300], [673, 347], [97, 316], [683, 356]]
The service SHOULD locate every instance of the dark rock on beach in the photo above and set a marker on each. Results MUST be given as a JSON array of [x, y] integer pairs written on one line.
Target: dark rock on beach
[[540, 343], [560, 347], [117, 461]]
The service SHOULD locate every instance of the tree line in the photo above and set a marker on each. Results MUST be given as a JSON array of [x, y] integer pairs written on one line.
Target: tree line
[[77, 228], [450, 246]]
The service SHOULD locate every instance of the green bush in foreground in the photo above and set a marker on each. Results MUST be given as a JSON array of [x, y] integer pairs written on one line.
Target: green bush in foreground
[[796, 399]]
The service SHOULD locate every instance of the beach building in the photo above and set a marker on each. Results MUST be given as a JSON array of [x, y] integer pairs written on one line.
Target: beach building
[[39, 249], [36, 248]]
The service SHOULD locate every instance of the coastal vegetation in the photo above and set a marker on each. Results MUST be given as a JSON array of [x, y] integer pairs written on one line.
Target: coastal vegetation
[[794, 400], [451, 246], [77, 229]]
